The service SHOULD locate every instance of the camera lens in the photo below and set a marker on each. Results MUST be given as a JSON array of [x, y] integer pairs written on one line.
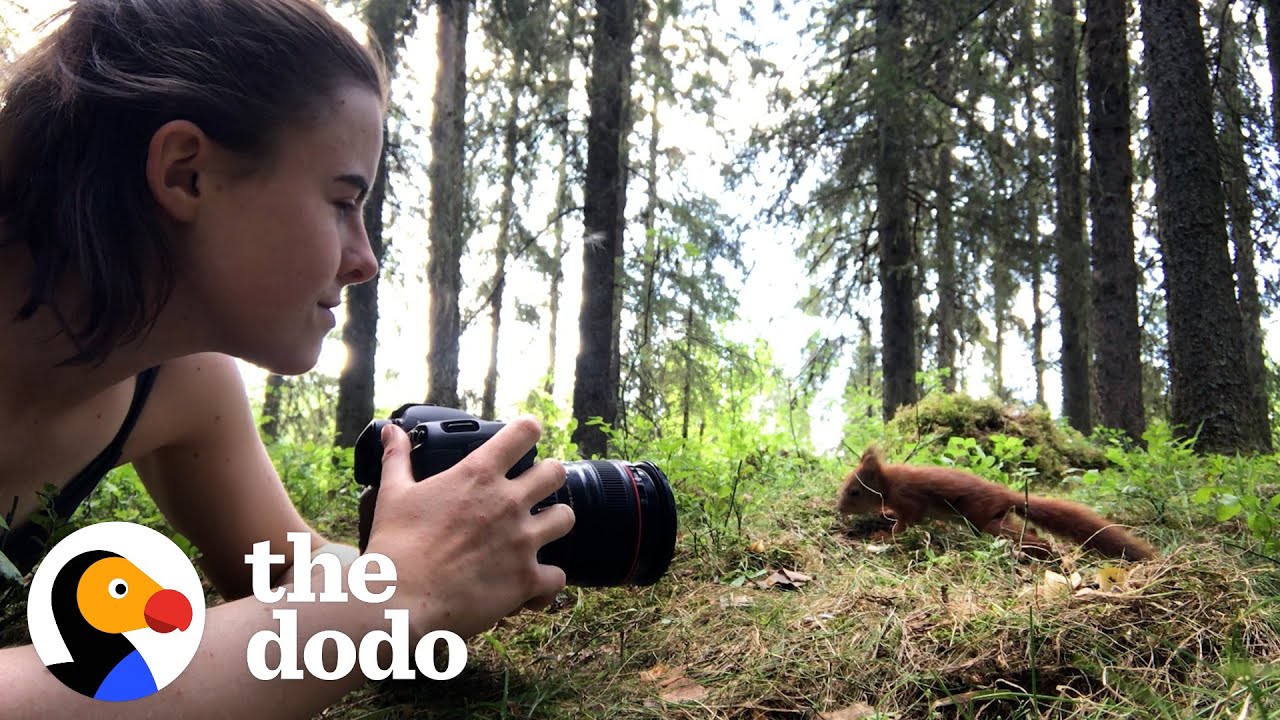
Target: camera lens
[[625, 527]]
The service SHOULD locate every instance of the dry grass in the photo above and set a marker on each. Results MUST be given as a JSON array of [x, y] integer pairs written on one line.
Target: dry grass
[[943, 625]]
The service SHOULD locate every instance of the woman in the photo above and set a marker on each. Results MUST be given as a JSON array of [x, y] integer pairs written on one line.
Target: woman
[[180, 184]]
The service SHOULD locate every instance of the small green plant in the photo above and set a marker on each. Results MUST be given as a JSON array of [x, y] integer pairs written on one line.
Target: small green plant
[[557, 425], [8, 571], [320, 482], [1010, 460], [1243, 491], [1161, 473]]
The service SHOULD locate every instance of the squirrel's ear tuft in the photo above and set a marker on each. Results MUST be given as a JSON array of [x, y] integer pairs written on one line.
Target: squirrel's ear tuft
[[871, 458]]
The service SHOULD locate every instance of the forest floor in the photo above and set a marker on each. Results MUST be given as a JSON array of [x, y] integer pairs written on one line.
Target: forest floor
[[802, 615]]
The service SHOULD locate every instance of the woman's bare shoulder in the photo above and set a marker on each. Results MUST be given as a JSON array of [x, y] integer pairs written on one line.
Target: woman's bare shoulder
[[192, 395]]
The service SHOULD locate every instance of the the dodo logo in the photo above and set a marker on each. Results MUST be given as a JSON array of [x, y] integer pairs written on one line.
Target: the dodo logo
[[116, 611]]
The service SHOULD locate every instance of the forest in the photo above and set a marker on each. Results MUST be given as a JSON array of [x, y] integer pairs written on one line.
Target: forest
[[1032, 239]]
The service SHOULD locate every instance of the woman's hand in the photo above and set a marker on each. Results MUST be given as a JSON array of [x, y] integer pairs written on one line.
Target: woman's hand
[[463, 542]]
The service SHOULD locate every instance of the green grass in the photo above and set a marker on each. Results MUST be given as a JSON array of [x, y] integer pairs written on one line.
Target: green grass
[[937, 623]]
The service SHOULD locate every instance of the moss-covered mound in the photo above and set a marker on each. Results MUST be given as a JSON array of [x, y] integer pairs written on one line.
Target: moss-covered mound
[[939, 416]]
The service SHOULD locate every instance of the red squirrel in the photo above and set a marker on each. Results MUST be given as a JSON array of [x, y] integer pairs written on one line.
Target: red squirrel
[[911, 493]]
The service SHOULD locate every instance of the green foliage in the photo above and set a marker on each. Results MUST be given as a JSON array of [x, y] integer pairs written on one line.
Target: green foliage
[[557, 424], [939, 416], [1162, 474], [1009, 460], [8, 572], [1273, 399], [732, 444], [305, 409], [320, 484], [1183, 488], [122, 497], [1247, 490], [726, 475]]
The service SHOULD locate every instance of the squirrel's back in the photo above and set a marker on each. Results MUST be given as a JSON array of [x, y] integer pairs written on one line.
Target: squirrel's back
[[916, 491]]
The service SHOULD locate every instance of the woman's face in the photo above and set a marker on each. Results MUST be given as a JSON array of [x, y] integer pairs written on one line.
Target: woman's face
[[268, 254]]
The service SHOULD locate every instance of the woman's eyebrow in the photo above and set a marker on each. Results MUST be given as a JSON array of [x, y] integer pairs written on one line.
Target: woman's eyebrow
[[356, 181]]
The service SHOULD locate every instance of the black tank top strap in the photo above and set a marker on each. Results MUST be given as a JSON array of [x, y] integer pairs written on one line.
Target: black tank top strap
[[24, 544]]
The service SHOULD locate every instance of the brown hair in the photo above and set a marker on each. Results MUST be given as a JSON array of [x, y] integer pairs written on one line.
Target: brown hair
[[79, 111]]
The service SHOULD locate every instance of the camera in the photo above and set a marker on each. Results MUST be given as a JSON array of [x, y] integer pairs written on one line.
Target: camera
[[625, 527]]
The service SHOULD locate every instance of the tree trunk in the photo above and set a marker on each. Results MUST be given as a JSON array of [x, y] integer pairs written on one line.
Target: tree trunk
[[595, 391], [1240, 219], [506, 215], [1037, 327], [945, 246], [388, 22], [651, 252], [557, 269], [1210, 396], [1072, 275], [1273, 60], [945, 252], [448, 182], [1000, 301], [686, 390], [897, 263], [563, 200], [1032, 213], [1117, 336], [271, 406]]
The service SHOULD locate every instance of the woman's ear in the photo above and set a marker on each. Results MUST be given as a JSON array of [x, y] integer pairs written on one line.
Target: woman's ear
[[179, 151]]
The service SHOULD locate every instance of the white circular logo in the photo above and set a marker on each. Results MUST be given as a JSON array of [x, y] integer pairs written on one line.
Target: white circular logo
[[116, 611]]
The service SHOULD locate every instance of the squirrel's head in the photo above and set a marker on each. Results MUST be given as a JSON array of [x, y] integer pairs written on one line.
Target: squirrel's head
[[862, 491]]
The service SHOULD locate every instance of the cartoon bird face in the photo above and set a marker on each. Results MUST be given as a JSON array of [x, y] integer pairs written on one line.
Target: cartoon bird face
[[115, 596]]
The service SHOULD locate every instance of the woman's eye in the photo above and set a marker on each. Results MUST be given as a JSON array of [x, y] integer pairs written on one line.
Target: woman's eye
[[345, 207]]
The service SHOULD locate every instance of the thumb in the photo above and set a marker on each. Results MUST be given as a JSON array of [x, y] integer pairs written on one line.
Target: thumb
[[397, 470]]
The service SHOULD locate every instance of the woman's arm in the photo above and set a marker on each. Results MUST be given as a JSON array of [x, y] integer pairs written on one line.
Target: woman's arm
[[217, 683], [463, 544]]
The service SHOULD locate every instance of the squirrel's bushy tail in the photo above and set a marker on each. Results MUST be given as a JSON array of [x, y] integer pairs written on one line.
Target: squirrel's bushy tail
[[1086, 527]]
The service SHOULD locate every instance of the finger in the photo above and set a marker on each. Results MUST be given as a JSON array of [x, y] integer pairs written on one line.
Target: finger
[[397, 469], [539, 481], [542, 602], [508, 445], [551, 580], [552, 523]]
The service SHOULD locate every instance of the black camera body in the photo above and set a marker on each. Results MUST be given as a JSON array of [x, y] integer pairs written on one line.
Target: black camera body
[[440, 437], [625, 527]]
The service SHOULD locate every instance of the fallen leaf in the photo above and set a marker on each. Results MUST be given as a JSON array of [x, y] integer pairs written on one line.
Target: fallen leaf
[[860, 711], [654, 673], [958, 699], [1113, 579], [683, 690], [877, 549], [786, 580], [674, 686], [1055, 585]]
